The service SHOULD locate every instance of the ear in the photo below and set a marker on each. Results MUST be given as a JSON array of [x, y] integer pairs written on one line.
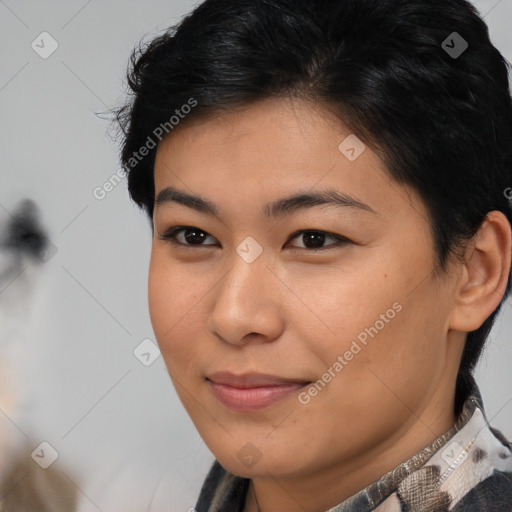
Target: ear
[[483, 280]]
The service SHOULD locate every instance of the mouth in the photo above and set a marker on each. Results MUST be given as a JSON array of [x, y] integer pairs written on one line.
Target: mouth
[[252, 391]]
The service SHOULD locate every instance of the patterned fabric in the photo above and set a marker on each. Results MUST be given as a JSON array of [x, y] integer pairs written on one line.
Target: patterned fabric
[[467, 469]]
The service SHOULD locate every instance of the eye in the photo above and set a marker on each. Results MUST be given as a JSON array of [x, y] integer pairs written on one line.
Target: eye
[[315, 240], [190, 236]]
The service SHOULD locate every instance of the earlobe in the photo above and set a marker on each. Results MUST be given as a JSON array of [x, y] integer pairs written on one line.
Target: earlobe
[[484, 275]]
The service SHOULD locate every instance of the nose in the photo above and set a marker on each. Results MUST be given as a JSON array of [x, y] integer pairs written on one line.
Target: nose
[[246, 305]]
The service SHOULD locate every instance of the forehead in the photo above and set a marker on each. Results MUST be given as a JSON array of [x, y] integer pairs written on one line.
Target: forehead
[[271, 149]]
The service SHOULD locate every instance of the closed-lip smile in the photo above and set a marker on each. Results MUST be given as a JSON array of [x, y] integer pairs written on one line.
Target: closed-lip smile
[[252, 391]]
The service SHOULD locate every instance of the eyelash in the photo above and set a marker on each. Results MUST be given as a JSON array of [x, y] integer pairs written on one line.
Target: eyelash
[[170, 236]]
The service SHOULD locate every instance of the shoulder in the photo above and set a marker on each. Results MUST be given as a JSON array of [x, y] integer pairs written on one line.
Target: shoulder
[[222, 491], [470, 472], [490, 465], [494, 494]]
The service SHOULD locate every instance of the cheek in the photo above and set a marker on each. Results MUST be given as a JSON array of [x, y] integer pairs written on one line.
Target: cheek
[[378, 327], [176, 311], [169, 298], [353, 304], [159, 296]]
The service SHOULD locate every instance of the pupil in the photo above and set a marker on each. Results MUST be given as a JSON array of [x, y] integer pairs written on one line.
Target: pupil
[[195, 237], [316, 238]]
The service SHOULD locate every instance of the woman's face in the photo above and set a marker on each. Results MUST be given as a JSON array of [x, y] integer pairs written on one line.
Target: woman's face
[[335, 300]]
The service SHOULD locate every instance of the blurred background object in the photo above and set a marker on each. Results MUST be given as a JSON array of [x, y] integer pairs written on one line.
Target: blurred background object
[[28, 482]]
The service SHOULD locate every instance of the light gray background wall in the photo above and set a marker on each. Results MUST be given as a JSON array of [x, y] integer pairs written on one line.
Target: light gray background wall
[[117, 425]]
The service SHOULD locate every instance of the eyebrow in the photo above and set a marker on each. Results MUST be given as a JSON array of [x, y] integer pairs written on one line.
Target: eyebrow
[[278, 208]]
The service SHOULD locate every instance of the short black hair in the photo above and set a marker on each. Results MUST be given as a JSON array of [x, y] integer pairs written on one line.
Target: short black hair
[[397, 72]]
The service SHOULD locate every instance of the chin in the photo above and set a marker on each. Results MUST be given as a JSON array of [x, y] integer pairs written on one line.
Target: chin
[[251, 462]]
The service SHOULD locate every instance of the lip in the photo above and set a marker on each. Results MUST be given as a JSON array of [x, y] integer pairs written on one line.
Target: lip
[[252, 391]]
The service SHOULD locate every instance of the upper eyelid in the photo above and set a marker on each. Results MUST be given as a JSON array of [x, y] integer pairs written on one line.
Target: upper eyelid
[[171, 233]]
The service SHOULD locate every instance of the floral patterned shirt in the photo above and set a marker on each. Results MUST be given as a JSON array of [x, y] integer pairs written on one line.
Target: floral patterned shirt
[[467, 469]]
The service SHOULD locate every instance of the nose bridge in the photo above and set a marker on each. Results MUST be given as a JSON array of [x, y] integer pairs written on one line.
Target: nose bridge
[[244, 302], [245, 282]]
